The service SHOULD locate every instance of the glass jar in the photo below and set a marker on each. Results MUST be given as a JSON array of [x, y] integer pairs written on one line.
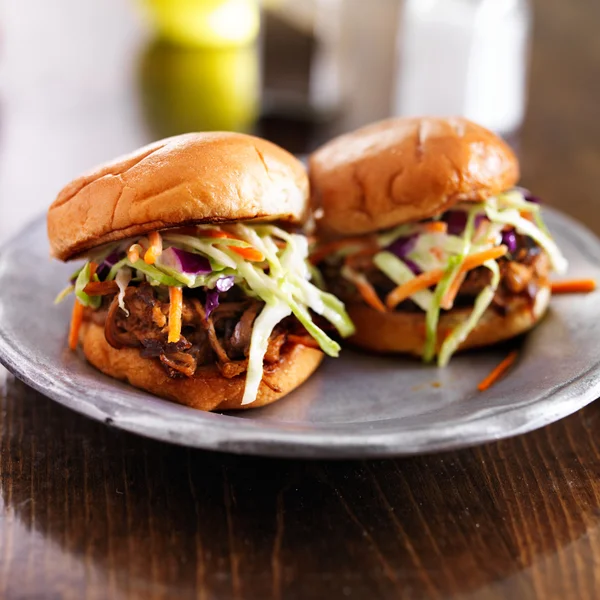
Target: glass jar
[[464, 57]]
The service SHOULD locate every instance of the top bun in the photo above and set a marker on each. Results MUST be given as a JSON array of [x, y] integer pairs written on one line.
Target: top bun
[[194, 178], [403, 170]]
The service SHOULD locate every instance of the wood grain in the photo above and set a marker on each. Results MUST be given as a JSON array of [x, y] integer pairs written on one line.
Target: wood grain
[[87, 511]]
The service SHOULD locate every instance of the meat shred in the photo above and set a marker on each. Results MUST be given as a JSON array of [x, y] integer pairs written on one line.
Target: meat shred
[[223, 338]]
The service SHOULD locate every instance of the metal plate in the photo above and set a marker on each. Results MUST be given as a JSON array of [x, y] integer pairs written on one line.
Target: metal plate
[[357, 406]]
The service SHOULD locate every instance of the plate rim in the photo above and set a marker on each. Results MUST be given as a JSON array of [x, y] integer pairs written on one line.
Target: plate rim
[[213, 431]]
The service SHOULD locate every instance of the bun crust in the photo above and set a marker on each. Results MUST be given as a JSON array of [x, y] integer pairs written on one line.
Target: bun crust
[[402, 170], [404, 333], [208, 389], [193, 178]]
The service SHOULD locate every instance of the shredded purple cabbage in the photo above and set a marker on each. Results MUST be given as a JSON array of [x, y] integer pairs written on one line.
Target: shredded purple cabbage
[[185, 262], [413, 266], [403, 245], [212, 301], [456, 221], [108, 263], [532, 198], [223, 284], [509, 239]]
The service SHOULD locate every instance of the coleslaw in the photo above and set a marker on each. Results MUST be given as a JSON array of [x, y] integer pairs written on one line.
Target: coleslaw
[[265, 261], [436, 252]]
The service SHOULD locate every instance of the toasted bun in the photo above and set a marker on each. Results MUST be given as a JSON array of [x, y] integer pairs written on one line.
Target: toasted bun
[[193, 178], [208, 389], [402, 170], [404, 332]]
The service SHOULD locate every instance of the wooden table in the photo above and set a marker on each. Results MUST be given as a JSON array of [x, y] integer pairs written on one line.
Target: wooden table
[[90, 512]]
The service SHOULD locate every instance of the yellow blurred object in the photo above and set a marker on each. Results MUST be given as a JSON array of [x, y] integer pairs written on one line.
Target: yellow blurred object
[[194, 89], [207, 23]]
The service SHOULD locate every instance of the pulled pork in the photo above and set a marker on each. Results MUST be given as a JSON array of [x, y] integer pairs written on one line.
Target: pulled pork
[[222, 338], [522, 273]]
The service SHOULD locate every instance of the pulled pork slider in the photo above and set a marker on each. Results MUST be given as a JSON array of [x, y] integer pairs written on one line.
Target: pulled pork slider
[[426, 238], [195, 285]]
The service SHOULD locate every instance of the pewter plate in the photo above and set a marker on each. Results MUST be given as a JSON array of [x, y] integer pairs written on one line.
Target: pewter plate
[[355, 407]]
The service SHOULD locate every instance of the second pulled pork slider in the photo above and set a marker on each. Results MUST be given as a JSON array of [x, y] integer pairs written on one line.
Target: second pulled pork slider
[[426, 238], [195, 284]]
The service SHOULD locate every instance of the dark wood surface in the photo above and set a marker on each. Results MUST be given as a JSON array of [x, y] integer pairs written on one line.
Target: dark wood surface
[[90, 512]]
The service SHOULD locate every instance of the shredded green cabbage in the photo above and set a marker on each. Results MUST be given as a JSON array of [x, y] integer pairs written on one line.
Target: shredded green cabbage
[[452, 271], [317, 277], [64, 293], [267, 288], [273, 312], [82, 280], [482, 302], [116, 268], [399, 273], [222, 242], [75, 273], [154, 275], [433, 313]]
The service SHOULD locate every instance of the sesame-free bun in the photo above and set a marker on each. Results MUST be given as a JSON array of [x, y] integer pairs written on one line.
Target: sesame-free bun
[[207, 389], [404, 332], [408, 169], [194, 178]]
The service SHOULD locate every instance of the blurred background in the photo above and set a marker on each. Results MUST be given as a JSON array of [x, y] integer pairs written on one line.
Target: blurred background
[[84, 81]]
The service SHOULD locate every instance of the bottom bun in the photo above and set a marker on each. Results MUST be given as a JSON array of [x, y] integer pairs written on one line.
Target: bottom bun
[[404, 332], [208, 389]]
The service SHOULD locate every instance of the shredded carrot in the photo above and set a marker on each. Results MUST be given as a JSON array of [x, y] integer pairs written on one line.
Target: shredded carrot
[[76, 321], [77, 314], [406, 290], [175, 310], [216, 233], [574, 286], [248, 253], [133, 254], [493, 377], [448, 299], [303, 340], [368, 293], [430, 278], [434, 227], [526, 215], [325, 250], [370, 296], [155, 249]]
